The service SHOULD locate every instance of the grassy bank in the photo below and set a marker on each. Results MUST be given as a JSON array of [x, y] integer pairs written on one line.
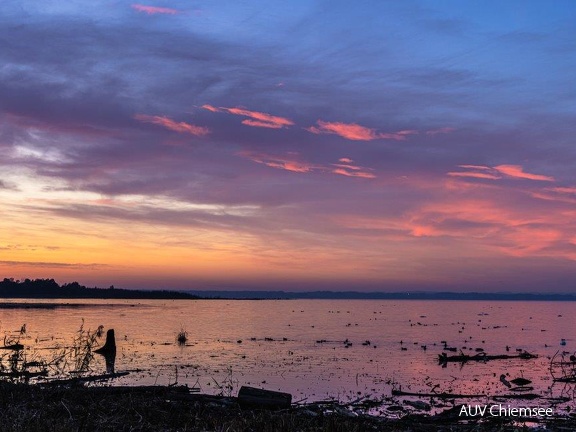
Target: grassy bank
[[55, 408]]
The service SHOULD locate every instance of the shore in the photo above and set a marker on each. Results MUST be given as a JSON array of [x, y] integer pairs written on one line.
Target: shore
[[87, 408]]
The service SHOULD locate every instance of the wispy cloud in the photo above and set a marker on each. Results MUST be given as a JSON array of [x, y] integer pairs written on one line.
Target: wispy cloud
[[553, 197], [356, 132], [255, 118], [518, 172], [346, 168], [168, 123], [496, 173], [289, 162], [561, 194], [472, 174], [6, 185], [478, 167], [345, 172], [211, 108], [565, 190], [495, 224], [20, 247], [257, 123], [293, 162], [152, 10]]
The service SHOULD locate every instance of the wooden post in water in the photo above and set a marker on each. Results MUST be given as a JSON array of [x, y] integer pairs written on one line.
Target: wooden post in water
[[110, 345], [250, 397], [109, 351]]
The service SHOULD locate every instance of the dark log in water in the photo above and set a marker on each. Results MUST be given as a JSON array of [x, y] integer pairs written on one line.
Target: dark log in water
[[482, 357], [250, 397]]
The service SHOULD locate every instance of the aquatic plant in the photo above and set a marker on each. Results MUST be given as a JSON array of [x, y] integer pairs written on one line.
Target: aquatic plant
[[228, 385], [182, 337], [82, 350], [18, 364]]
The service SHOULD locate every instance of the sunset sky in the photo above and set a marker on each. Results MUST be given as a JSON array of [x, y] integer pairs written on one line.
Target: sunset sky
[[296, 145]]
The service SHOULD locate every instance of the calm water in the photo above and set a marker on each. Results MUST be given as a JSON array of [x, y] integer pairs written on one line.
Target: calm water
[[275, 344]]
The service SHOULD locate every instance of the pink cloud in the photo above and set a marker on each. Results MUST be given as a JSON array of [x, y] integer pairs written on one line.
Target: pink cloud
[[257, 123], [210, 108], [495, 173], [554, 197], [255, 118], [292, 162], [181, 127], [474, 175], [516, 171], [356, 132], [493, 221], [346, 168], [566, 190], [151, 10], [288, 162], [362, 174], [443, 130], [477, 167], [528, 240], [561, 194]]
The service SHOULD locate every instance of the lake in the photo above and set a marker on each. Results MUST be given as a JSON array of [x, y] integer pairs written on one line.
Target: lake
[[314, 349]]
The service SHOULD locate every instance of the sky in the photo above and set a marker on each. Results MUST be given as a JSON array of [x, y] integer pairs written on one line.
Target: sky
[[301, 145]]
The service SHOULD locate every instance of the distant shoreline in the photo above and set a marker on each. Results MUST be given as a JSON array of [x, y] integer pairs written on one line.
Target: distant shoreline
[[356, 295], [49, 289]]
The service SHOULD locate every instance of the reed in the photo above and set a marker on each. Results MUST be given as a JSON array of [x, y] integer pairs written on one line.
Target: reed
[[182, 337]]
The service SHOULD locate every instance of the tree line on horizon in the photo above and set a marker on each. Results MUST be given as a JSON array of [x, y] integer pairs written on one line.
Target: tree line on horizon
[[49, 288]]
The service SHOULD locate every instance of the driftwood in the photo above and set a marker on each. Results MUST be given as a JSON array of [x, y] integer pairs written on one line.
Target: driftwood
[[481, 357], [250, 397]]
